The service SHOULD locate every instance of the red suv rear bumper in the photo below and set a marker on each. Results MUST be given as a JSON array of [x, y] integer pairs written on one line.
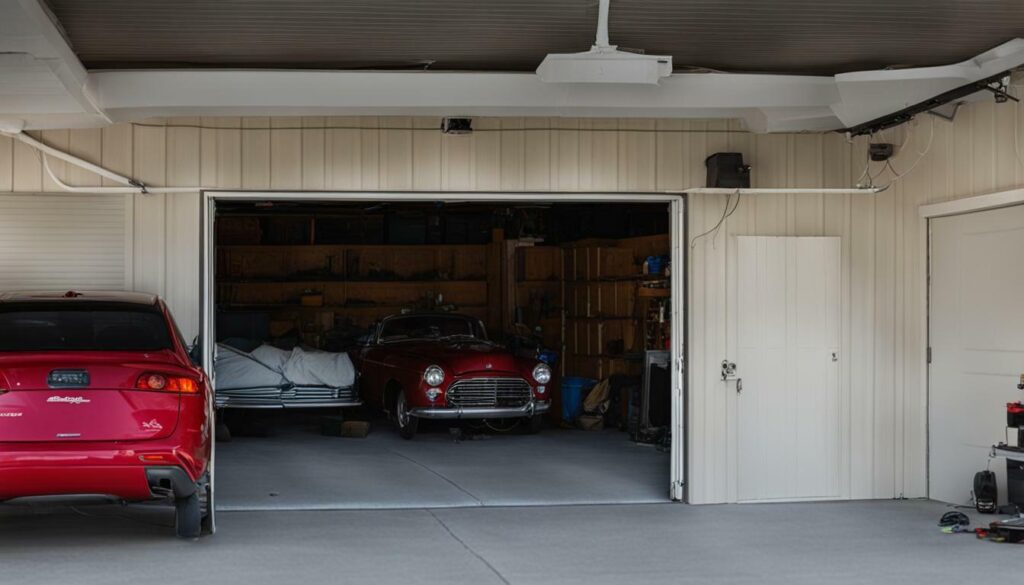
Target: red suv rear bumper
[[110, 469]]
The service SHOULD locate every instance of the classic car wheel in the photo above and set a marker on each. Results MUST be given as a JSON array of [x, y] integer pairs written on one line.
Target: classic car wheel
[[406, 423]]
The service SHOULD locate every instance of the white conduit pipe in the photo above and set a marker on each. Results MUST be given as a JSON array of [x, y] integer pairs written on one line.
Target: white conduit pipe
[[782, 191], [45, 149], [131, 185]]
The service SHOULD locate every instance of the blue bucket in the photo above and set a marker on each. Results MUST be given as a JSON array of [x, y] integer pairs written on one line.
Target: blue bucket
[[572, 396]]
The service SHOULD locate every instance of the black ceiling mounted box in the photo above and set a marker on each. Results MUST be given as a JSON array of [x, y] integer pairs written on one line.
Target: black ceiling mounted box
[[726, 170]]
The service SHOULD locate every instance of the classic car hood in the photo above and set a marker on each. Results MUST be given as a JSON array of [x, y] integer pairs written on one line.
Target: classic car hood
[[461, 357]]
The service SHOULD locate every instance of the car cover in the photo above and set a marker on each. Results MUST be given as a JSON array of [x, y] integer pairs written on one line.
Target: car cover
[[270, 367], [319, 368], [237, 369]]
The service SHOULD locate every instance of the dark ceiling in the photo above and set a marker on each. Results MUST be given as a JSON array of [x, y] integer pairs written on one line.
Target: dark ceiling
[[778, 36]]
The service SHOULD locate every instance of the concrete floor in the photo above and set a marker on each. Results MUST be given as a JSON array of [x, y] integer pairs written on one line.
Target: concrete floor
[[837, 543], [299, 469]]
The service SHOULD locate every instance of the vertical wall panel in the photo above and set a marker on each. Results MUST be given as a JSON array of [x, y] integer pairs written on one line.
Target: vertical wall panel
[[565, 154], [343, 154], [149, 246], [86, 143], [6, 164], [537, 154], [487, 155], [285, 153], [426, 154], [255, 153], [458, 162], [314, 145], [229, 152], [396, 154], [60, 139], [28, 170], [184, 159], [513, 152], [117, 150]]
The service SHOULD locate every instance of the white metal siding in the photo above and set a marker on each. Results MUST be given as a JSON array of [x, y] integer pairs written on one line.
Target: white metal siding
[[882, 260], [62, 242]]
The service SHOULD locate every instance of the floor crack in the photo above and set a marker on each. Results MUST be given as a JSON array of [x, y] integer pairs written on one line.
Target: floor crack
[[469, 548], [440, 475]]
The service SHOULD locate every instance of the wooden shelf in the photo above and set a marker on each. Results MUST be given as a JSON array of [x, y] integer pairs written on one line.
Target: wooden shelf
[[348, 282], [285, 247], [297, 305], [654, 293]]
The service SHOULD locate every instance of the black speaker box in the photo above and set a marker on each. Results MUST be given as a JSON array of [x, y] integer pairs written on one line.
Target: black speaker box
[[726, 170]]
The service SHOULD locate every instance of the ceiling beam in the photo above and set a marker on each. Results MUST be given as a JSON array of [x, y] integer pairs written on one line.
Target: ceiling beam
[[43, 85]]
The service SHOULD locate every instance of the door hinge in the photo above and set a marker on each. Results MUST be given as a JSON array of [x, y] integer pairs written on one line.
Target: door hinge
[[929, 352]]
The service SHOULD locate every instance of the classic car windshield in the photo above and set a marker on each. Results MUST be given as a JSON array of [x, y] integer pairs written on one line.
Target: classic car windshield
[[431, 327]]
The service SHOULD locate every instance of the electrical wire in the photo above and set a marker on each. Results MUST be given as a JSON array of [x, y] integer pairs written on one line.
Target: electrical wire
[[431, 129], [726, 213], [920, 156]]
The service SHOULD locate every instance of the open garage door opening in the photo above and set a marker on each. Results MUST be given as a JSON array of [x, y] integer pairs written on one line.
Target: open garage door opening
[[408, 351]]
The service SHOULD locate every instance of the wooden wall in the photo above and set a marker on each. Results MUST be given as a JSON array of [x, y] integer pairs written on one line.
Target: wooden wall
[[883, 301]]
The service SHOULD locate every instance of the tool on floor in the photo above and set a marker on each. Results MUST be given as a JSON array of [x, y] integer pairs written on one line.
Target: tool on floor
[[953, 522]]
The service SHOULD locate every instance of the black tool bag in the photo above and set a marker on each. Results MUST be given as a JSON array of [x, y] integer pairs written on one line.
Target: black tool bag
[[985, 492]]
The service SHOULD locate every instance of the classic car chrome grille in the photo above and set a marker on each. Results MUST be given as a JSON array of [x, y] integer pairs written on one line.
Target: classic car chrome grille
[[489, 392], [294, 396]]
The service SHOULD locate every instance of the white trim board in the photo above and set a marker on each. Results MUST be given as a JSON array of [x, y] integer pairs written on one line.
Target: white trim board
[[972, 204]]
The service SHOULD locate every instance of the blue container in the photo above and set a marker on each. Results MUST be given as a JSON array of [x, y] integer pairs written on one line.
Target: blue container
[[654, 264], [573, 389]]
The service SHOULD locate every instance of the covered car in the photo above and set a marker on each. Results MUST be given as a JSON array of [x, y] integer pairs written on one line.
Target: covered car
[[268, 377]]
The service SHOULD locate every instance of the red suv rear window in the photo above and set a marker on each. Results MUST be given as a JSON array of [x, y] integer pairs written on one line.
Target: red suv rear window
[[82, 326]]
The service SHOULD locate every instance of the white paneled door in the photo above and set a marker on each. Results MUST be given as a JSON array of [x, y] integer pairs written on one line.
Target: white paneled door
[[787, 368], [976, 334]]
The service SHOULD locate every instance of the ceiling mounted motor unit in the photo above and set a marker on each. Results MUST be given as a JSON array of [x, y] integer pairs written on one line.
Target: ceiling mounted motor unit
[[604, 63]]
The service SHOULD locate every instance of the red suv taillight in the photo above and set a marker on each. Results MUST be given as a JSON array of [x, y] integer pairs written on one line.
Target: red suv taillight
[[164, 383]]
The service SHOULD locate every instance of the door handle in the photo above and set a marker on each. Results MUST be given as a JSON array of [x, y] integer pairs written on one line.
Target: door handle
[[729, 373]]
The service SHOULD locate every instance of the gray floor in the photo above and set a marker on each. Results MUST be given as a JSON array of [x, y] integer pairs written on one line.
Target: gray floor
[[837, 543], [299, 469]]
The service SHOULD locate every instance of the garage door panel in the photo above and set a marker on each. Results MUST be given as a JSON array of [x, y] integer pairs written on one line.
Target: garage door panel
[[56, 242]]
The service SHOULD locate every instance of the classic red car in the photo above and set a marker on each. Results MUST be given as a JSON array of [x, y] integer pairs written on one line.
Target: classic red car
[[442, 366], [98, 397]]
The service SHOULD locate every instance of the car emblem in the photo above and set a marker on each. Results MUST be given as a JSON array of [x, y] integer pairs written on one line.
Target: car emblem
[[152, 425], [10, 414], [488, 366], [69, 399]]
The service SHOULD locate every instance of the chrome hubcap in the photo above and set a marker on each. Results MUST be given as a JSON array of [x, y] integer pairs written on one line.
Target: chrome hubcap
[[401, 412]]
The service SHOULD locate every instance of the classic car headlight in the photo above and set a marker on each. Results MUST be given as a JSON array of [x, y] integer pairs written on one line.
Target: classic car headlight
[[542, 373], [434, 375]]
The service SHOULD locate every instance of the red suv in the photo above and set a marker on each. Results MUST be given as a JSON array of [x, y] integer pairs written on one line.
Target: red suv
[[98, 396]]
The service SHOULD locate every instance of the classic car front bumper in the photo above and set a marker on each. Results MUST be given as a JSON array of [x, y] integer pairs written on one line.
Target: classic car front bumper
[[452, 412]]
